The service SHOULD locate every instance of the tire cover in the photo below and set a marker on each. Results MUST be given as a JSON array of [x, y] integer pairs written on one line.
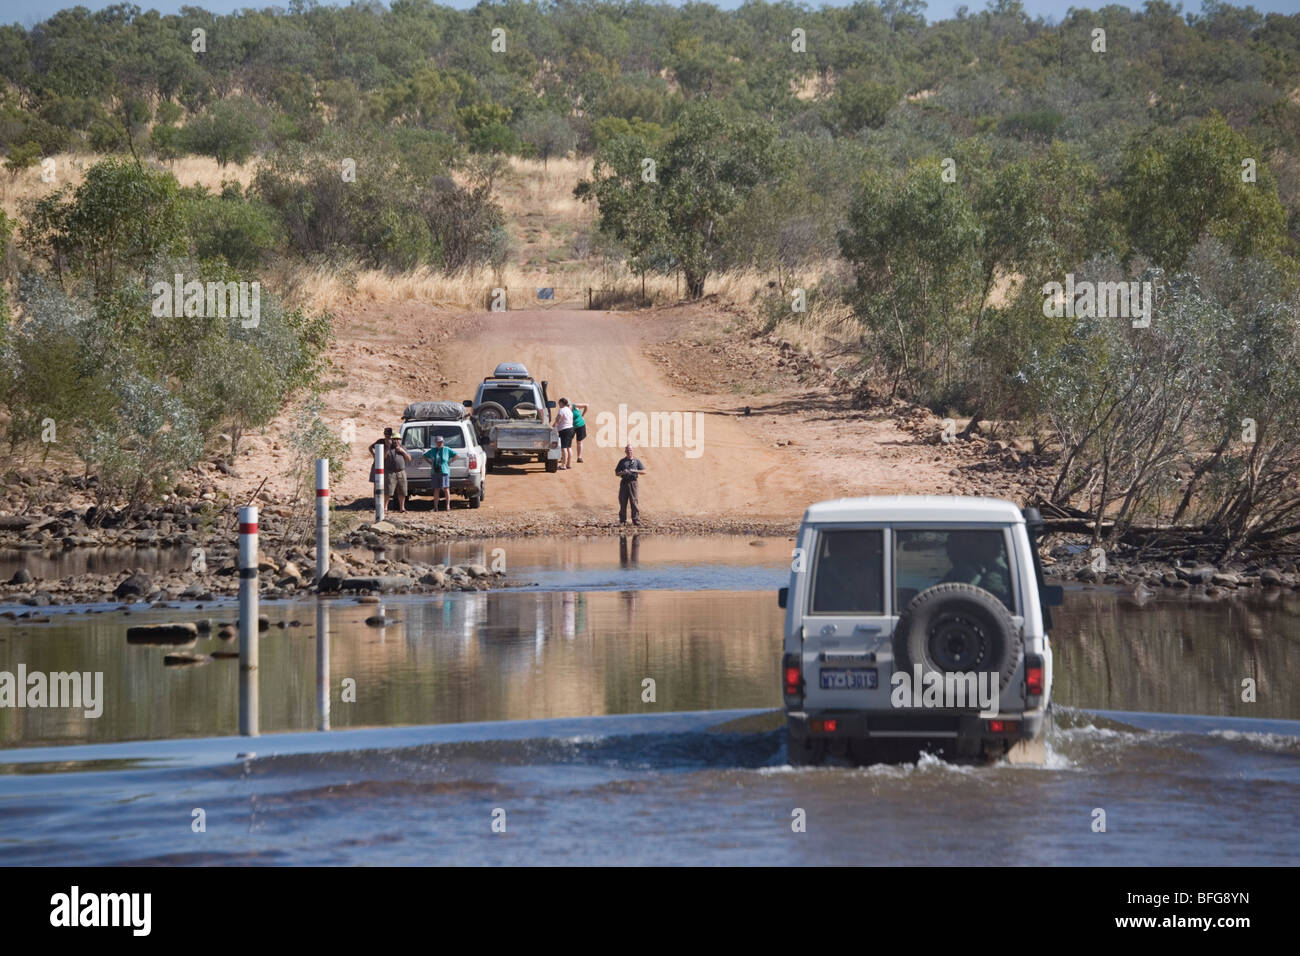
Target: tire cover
[[955, 628]]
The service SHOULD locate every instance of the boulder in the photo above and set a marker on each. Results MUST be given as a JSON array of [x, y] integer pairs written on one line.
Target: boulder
[[136, 584], [1200, 575], [21, 576], [1270, 578]]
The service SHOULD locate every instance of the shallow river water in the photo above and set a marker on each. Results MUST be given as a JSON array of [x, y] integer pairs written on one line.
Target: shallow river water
[[1152, 729]]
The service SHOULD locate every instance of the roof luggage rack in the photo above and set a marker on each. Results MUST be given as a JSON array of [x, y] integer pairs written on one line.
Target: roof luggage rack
[[436, 411]]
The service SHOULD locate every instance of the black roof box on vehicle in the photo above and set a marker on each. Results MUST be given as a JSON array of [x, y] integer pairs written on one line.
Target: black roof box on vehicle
[[435, 411]]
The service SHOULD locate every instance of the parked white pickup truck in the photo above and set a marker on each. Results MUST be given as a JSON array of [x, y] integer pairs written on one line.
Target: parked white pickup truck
[[512, 414], [916, 623]]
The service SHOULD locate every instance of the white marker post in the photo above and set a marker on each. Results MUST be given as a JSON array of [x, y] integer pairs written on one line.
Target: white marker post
[[379, 482], [248, 635], [322, 517], [322, 664]]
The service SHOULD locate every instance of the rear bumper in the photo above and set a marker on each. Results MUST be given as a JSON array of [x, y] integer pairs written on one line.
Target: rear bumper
[[523, 454], [461, 486], [863, 725]]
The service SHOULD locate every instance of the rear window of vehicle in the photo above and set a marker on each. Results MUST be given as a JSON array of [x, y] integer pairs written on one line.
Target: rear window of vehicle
[[923, 559], [420, 437], [849, 572], [507, 397]]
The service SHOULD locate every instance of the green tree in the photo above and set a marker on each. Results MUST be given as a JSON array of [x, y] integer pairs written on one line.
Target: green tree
[[708, 165], [549, 134], [228, 132], [914, 246], [1178, 187], [116, 221]]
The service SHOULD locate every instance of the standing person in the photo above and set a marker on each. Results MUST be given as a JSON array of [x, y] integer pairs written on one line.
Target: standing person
[[564, 425], [627, 469], [440, 457], [579, 425], [395, 459]]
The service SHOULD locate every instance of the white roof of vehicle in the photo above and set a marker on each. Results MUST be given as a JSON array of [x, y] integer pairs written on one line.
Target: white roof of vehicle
[[941, 509]]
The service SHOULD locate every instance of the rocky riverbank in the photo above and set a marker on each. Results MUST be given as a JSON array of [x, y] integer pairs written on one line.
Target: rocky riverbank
[[1259, 573]]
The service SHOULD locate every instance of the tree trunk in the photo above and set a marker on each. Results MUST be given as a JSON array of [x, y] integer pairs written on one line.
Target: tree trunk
[[694, 284]]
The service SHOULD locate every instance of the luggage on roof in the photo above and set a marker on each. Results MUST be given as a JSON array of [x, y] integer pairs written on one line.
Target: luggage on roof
[[435, 411]]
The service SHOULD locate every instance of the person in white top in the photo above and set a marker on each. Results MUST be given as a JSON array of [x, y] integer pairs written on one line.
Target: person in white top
[[564, 425]]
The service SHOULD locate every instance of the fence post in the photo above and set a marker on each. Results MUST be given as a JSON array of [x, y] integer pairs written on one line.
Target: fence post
[[322, 517], [248, 622], [379, 481]]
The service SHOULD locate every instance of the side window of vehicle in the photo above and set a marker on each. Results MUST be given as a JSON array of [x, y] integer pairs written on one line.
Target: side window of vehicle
[[849, 572], [924, 558]]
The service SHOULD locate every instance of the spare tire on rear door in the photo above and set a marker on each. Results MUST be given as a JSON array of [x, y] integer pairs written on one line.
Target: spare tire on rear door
[[957, 628]]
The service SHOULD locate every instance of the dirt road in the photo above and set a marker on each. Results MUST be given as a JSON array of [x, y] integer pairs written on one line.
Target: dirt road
[[794, 446]]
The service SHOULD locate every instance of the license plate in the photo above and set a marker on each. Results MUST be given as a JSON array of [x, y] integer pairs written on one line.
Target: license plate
[[850, 678]]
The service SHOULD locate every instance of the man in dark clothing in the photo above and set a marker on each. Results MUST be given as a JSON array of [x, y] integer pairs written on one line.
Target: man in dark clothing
[[395, 459], [627, 470]]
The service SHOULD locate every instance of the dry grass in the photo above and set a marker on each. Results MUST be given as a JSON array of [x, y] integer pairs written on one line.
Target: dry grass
[[333, 288], [530, 188], [70, 169], [547, 226], [811, 87]]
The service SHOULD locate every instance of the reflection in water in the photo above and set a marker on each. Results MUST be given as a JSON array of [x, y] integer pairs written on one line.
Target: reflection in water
[[322, 664], [512, 655]]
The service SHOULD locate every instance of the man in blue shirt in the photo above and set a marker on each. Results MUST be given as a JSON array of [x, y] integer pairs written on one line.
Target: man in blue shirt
[[440, 458]]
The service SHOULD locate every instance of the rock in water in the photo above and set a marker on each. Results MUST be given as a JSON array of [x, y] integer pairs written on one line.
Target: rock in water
[[171, 635], [184, 660]]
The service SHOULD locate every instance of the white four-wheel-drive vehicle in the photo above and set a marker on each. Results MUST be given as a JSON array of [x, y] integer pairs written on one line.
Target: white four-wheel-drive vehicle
[[422, 423], [917, 623]]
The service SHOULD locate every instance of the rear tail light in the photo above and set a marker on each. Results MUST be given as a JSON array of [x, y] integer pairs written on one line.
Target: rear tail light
[[556, 443], [1033, 678], [825, 726], [792, 679], [473, 463], [1004, 726]]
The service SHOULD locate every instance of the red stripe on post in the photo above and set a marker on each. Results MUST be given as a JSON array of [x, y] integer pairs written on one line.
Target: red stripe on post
[[322, 492], [248, 528]]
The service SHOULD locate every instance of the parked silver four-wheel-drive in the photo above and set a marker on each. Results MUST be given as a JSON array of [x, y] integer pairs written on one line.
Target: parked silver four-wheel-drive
[[422, 423], [917, 623], [512, 415]]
